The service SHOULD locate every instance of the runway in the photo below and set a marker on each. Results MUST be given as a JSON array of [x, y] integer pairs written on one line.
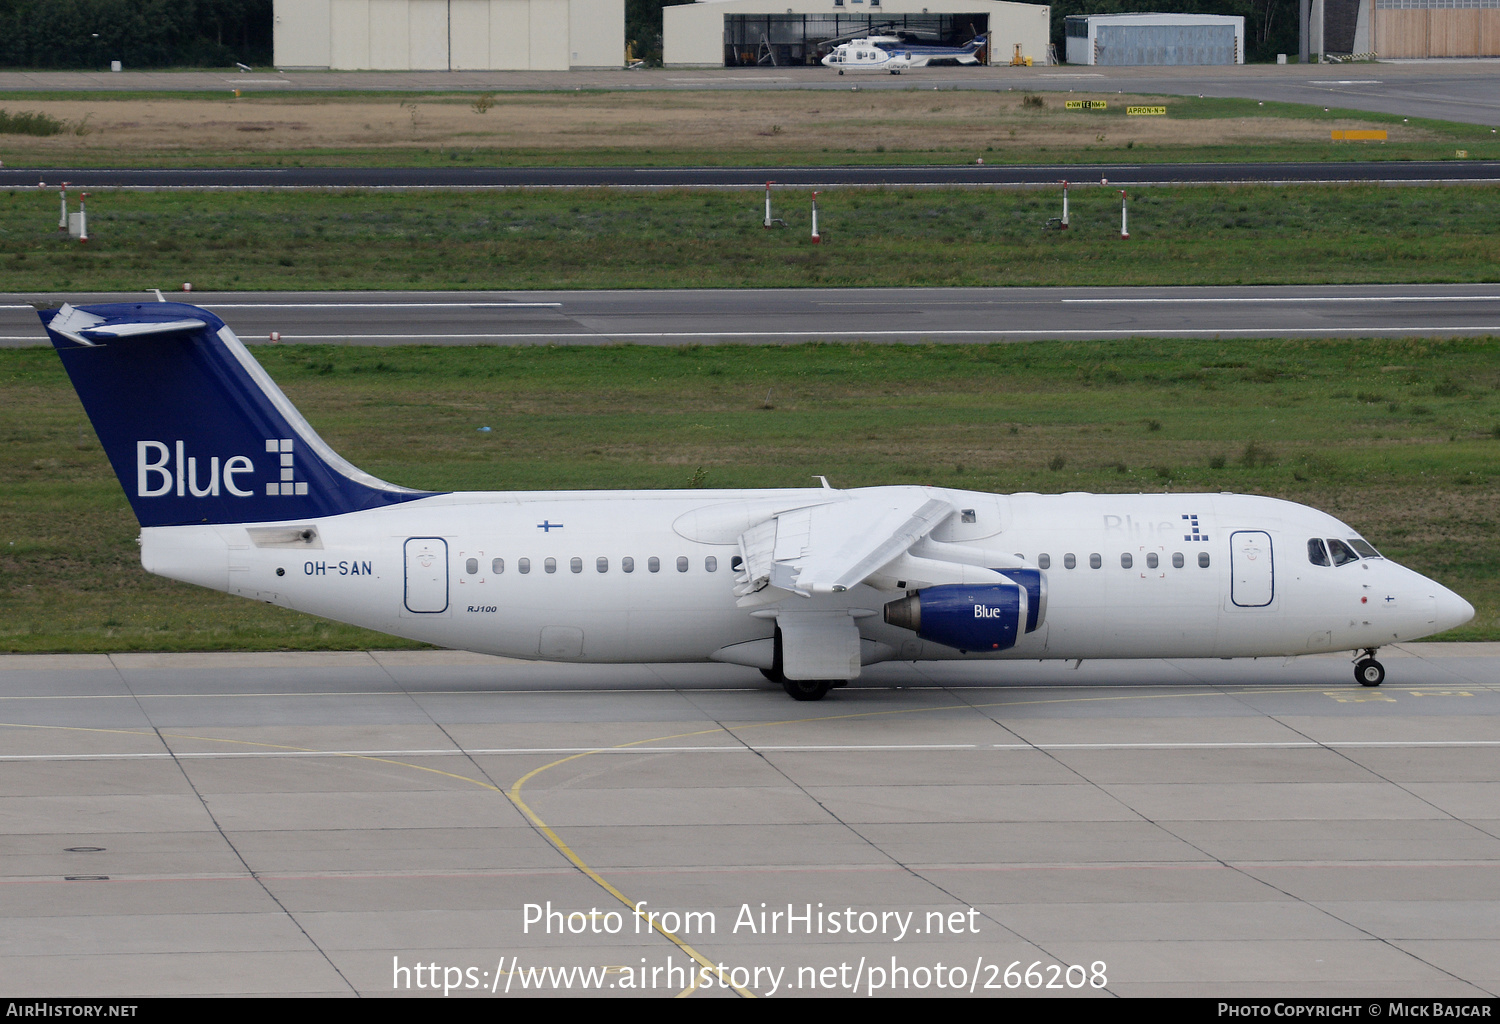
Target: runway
[[1435, 172], [313, 824], [786, 316]]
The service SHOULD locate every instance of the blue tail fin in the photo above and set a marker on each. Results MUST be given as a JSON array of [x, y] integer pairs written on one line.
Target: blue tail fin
[[195, 429]]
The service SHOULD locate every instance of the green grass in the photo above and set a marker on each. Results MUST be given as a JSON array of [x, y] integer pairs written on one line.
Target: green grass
[[1399, 438], [739, 147], [646, 239], [29, 122]]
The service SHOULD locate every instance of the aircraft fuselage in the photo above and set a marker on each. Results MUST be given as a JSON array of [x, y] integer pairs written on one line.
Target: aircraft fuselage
[[649, 575]]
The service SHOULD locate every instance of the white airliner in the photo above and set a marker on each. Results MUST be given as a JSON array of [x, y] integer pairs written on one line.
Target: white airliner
[[236, 492]]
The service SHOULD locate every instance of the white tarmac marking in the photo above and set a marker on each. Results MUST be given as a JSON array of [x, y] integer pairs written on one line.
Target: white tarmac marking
[[754, 749], [380, 305], [1134, 332], [604, 335], [1310, 300], [360, 305]]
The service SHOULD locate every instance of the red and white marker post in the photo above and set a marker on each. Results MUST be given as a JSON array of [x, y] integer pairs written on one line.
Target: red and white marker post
[[771, 221], [83, 217], [62, 218], [815, 236], [1124, 223], [1065, 206]]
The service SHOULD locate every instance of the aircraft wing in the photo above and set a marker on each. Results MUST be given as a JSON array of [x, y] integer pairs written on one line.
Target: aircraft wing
[[826, 549]]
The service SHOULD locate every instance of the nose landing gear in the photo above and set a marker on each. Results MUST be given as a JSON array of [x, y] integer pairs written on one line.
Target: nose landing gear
[[1368, 671]]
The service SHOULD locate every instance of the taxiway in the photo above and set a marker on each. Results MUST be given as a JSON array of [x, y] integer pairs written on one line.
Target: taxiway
[[308, 824]]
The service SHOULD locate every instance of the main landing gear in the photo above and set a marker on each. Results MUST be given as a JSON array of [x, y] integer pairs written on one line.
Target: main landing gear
[[1368, 671], [799, 689]]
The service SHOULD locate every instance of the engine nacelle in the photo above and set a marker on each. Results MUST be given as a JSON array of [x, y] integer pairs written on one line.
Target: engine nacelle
[[1035, 582], [969, 618]]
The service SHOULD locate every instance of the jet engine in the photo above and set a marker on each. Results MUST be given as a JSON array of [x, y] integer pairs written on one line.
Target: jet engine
[[969, 618]]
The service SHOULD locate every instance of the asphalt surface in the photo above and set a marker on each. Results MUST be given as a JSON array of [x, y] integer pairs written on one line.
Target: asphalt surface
[[310, 824], [1454, 90], [779, 316], [992, 175]]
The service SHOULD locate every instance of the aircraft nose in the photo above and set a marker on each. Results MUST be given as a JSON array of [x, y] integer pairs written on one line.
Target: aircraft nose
[[1452, 610]]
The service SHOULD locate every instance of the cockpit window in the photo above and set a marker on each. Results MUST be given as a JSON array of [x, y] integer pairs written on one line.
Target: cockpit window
[[1341, 552], [1317, 554], [1364, 547]]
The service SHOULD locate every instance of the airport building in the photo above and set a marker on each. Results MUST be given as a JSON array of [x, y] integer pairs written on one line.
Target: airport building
[[1404, 29], [1135, 39], [1424, 28], [449, 35], [795, 33]]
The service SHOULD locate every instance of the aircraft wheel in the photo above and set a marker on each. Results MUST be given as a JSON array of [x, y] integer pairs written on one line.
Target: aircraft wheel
[[807, 689], [841, 71], [1369, 672]]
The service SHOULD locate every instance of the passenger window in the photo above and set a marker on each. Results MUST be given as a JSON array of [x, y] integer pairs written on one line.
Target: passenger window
[[602, 564], [523, 566], [1069, 561], [736, 564], [1342, 553], [1177, 560], [575, 563], [682, 563], [1126, 561], [1044, 561], [653, 564], [1095, 561], [1317, 554], [627, 564], [471, 566], [1203, 559], [550, 565], [1363, 547], [497, 566], [1151, 560], [711, 564]]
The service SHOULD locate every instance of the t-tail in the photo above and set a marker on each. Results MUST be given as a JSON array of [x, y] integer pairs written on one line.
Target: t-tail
[[196, 430]]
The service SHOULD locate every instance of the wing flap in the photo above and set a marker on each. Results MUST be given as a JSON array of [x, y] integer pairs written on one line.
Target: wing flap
[[826, 549]]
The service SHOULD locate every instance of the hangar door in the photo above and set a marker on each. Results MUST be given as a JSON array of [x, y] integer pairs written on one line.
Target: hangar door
[[1437, 28], [1164, 44]]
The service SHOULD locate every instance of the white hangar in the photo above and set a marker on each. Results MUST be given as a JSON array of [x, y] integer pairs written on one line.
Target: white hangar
[[733, 33], [449, 35], [1135, 39]]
